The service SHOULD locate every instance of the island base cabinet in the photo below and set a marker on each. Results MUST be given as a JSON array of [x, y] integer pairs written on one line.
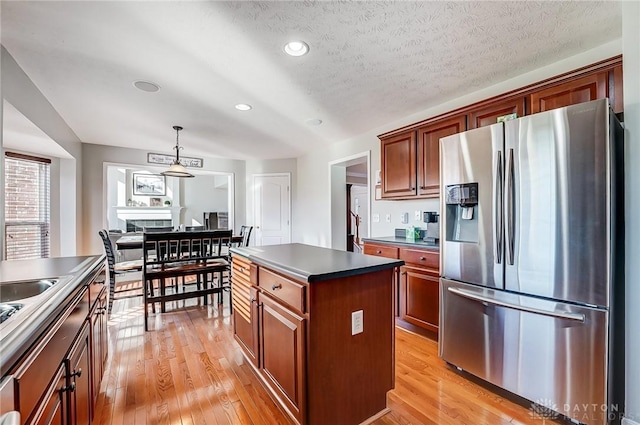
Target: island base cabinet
[[283, 354], [99, 350]]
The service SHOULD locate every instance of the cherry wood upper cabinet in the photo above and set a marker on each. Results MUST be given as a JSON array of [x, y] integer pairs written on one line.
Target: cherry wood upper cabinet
[[398, 155], [488, 114], [429, 153], [590, 87]]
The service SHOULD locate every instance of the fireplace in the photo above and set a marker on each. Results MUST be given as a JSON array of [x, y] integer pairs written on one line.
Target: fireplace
[[137, 225]]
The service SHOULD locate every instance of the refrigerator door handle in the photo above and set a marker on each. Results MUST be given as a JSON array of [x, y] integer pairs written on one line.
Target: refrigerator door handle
[[489, 300], [509, 202], [498, 195]]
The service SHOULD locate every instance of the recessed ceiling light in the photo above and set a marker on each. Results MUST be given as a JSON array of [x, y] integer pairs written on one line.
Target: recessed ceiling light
[[243, 107], [314, 121], [296, 48], [146, 86]]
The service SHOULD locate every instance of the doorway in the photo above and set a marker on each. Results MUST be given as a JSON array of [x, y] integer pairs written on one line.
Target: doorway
[[350, 201]]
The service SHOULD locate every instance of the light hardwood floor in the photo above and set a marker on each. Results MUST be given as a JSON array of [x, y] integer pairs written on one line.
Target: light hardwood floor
[[188, 370]]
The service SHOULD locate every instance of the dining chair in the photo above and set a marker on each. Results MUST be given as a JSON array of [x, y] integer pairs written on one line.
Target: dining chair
[[119, 269], [245, 232]]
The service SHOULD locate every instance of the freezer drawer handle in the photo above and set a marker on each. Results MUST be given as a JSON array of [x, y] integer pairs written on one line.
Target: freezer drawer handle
[[476, 297]]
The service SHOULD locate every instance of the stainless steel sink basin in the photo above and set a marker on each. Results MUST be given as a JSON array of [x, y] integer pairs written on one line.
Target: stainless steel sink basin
[[12, 291]]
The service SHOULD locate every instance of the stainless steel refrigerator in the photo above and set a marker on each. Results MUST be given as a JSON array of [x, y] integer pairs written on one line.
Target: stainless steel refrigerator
[[532, 259]]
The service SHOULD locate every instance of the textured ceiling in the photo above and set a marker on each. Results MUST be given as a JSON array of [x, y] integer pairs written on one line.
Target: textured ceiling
[[370, 63]]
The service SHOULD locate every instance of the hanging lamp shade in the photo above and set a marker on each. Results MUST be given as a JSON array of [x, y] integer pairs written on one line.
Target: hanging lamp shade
[[176, 169]]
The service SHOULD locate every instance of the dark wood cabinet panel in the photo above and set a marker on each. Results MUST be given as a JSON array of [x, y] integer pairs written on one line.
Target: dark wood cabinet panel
[[99, 343], [387, 251], [429, 153], [79, 380], [488, 114], [398, 155], [283, 353], [420, 297], [54, 402], [590, 87], [615, 89]]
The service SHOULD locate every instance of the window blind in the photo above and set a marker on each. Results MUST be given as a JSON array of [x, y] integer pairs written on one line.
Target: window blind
[[27, 207]]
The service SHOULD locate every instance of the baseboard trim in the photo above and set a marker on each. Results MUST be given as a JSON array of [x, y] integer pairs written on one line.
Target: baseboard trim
[[376, 416], [627, 421]]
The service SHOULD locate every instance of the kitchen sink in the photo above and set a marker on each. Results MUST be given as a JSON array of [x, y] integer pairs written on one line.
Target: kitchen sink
[[12, 291]]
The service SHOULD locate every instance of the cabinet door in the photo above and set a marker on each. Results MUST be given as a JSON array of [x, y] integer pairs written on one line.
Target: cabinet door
[[283, 354], [591, 87], [99, 345], [419, 302], [79, 380], [398, 155], [489, 114], [245, 320], [53, 405], [429, 153]]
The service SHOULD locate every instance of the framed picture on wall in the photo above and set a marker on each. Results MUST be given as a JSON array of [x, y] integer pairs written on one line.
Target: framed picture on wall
[[155, 202], [149, 184]]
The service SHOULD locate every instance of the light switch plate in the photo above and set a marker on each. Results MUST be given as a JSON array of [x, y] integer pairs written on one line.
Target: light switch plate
[[404, 218], [375, 218], [416, 215]]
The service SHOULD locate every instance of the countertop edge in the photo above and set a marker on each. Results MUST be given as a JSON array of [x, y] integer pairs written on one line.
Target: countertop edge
[[22, 335]]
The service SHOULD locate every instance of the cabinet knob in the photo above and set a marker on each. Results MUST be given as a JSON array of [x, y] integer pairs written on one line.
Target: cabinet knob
[[71, 388], [378, 252], [276, 287], [422, 258], [242, 269], [252, 300], [77, 373]]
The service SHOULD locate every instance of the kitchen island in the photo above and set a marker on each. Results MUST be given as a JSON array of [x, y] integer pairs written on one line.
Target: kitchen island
[[317, 327], [53, 337]]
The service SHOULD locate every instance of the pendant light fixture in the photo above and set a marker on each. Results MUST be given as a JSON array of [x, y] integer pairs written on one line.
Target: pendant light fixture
[[177, 169]]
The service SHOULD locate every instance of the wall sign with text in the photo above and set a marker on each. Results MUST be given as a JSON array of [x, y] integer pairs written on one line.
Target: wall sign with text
[[159, 158]]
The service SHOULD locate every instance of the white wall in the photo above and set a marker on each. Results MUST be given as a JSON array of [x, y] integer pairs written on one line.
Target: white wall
[[359, 203], [311, 222], [631, 71], [19, 90], [204, 193], [287, 165]]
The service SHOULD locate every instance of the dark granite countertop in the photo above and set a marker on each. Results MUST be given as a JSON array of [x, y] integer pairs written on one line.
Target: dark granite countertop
[[312, 263], [402, 241], [19, 331]]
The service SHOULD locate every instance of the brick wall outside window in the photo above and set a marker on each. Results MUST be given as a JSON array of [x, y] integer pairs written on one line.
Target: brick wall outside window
[[27, 216]]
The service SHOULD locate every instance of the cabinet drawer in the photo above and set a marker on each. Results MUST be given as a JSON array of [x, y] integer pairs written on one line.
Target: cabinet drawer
[[381, 250], [429, 259], [282, 288]]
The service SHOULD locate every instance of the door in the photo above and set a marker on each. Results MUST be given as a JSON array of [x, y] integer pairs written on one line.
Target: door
[[557, 198], [536, 348], [471, 246], [272, 209]]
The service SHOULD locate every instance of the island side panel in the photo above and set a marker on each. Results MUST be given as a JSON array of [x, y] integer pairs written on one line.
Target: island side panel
[[349, 375]]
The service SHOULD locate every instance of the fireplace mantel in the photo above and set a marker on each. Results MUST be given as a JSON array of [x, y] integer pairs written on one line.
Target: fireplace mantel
[[147, 213]]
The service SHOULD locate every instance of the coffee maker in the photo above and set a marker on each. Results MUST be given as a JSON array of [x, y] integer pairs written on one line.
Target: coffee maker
[[433, 227]]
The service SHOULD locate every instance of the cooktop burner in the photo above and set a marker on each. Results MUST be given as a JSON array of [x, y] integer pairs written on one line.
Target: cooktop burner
[[8, 309]]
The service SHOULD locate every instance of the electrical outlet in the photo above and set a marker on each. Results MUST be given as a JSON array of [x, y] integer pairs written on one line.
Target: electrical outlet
[[404, 218], [357, 322], [375, 218], [416, 215], [388, 218]]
